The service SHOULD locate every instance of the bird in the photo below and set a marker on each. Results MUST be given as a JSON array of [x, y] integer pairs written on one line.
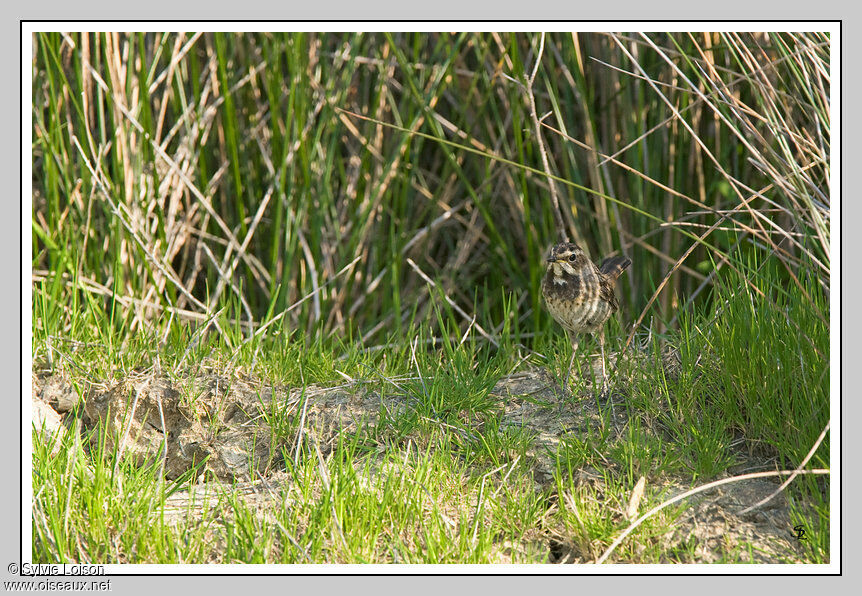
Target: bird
[[580, 296]]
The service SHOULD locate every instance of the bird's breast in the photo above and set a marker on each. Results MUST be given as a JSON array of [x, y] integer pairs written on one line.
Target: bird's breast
[[563, 284], [573, 299]]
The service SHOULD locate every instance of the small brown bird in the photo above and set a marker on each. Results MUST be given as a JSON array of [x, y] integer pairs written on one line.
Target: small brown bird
[[580, 296]]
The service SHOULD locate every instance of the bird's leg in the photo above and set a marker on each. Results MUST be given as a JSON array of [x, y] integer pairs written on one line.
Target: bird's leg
[[605, 387], [600, 336], [574, 339]]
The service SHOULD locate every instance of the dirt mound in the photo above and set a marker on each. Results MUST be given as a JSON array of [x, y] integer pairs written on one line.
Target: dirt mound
[[211, 423], [238, 431]]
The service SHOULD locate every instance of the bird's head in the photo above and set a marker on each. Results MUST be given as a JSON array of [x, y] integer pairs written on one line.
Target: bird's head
[[566, 258], [565, 252]]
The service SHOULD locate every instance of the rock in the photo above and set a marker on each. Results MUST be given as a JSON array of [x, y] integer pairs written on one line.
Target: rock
[[46, 420]]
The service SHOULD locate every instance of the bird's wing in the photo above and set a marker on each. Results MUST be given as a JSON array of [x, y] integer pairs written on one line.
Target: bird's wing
[[614, 266]]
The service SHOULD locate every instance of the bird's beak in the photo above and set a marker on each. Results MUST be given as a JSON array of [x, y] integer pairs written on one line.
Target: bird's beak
[[551, 259]]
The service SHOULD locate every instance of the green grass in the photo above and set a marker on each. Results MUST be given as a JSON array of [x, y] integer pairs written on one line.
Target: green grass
[[370, 212], [441, 481]]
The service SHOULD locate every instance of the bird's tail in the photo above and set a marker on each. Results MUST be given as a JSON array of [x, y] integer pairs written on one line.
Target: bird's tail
[[614, 266]]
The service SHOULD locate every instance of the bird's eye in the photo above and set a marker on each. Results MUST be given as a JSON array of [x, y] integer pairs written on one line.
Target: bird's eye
[[572, 258]]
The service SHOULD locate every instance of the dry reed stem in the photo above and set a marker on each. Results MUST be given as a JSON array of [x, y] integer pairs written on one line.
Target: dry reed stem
[[690, 493], [555, 201]]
